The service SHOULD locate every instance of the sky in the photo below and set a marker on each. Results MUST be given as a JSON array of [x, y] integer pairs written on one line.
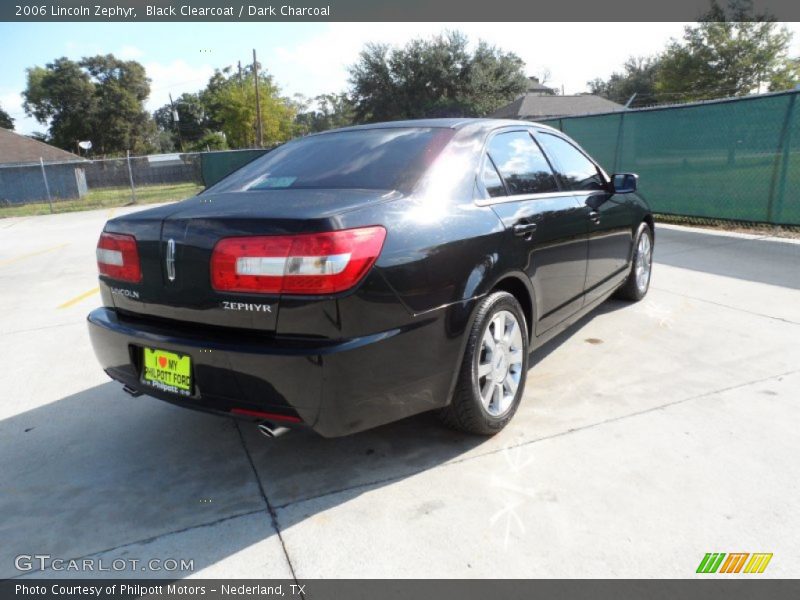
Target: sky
[[311, 58]]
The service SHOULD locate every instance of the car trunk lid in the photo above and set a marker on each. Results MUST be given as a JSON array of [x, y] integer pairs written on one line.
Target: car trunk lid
[[176, 243]]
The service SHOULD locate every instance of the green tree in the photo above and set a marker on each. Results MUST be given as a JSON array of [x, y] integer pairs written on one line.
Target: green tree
[[437, 77], [98, 98], [638, 76], [729, 52], [164, 142], [230, 103], [63, 95], [211, 141], [6, 122], [330, 111], [121, 121], [192, 125]]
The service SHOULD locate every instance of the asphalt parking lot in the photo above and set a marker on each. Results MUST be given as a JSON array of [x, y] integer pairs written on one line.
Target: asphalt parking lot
[[649, 435]]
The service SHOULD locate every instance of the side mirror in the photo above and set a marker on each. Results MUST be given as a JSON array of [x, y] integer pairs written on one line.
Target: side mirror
[[624, 183]]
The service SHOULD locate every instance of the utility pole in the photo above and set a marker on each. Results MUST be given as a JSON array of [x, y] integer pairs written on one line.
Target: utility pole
[[260, 133], [46, 185], [130, 178], [176, 121], [241, 79]]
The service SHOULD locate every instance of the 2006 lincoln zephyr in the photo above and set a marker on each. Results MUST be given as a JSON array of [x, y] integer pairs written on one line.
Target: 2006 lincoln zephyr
[[358, 276]]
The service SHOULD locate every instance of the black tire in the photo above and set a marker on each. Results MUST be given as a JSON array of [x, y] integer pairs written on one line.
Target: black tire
[[631, 290], [467, 412]]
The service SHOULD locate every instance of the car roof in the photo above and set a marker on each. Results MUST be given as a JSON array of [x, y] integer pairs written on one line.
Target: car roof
[[448, 123]]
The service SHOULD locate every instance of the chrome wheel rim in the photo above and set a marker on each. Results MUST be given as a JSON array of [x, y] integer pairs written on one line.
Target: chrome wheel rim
[[498, 367], [644, 257]]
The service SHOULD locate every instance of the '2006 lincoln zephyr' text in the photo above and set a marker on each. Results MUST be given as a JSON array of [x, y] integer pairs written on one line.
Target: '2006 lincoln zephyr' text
[[358, 276]]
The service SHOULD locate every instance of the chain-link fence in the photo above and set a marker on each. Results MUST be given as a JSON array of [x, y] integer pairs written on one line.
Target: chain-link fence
[[77, 184], [735, 159]]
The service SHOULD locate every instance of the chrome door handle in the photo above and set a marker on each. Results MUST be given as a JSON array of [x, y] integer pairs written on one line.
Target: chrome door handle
[[594, 217], [523, 229]]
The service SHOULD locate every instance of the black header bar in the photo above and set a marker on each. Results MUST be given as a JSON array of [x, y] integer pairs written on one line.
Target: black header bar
[[709, 588], [377, 10]]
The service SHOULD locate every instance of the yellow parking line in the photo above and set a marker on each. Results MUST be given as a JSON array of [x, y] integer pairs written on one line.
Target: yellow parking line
[[13, 259], [77, 299]]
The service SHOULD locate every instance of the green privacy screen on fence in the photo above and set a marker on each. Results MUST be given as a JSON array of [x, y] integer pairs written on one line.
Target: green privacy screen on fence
[[217, 165], [733, 159]]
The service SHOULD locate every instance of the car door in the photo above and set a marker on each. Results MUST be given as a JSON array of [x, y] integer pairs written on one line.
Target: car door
[[546, 227], [608, 215]]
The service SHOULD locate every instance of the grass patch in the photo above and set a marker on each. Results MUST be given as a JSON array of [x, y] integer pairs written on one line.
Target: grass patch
[[107, 198]]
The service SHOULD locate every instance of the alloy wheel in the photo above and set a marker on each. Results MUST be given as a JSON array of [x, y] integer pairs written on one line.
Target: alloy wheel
[[644, 257], [499, 363]]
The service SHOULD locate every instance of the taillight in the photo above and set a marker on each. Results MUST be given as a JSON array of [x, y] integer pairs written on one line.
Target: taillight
[[314, 263], [118, 257]]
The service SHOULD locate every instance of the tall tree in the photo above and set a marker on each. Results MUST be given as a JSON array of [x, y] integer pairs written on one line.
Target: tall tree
[[63, 95], [730, 52], [434, 77], [230, 102], [330, 111], [121, 88], [98, 98], [6, 122], [638, 76]]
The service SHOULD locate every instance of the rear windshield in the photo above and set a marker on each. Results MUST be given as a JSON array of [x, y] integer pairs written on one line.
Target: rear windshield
[[380, 159]]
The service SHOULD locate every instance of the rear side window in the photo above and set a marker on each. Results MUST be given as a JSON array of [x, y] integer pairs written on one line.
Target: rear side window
[[491, 180], [381, 159], [521, 163], [576, 171]]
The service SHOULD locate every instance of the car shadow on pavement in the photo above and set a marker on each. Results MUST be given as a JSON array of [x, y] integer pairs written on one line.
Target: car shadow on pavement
[[553, 344], [99, 470], [101, 473]]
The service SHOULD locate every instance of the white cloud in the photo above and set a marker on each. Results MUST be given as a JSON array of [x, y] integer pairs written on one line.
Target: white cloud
[[12, 104], [176, 78], [86, 47], [130, 53], [574, 53], [319, 65]]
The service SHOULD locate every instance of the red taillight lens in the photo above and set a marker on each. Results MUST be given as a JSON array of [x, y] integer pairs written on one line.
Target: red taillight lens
[[118, 257], [315, 263]]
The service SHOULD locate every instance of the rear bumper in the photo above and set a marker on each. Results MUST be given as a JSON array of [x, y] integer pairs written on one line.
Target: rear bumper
[[333, 387]]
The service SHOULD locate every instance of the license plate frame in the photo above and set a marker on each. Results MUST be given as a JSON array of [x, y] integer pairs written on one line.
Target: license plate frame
[[167, 371]]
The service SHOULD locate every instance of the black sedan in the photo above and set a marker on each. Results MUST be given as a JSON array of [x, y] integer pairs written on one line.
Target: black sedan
[[359, 276]]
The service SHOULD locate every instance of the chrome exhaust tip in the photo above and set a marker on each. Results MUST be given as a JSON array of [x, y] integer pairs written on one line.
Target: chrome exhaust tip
[[271, 430]]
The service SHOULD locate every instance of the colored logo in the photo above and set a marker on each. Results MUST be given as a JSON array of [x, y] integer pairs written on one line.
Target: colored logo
[[735, 562]]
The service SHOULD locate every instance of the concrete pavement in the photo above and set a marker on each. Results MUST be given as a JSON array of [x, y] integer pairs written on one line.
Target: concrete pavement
[[649, 435]]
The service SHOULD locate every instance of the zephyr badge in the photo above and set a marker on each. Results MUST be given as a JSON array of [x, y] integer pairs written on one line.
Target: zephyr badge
[[170, 261]]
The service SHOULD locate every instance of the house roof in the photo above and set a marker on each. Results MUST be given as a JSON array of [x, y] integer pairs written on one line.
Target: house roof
[[536, 87], [16, 148], [535, 106]]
